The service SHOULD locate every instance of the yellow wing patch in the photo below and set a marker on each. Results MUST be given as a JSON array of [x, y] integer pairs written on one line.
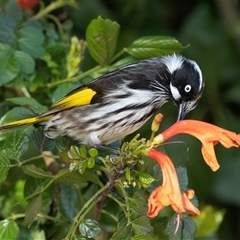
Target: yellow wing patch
[[78, 98]]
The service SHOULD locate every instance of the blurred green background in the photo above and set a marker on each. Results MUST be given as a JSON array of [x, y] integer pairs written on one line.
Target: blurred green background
[[212, 29]]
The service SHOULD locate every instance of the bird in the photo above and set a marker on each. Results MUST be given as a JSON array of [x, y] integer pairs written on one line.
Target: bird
[[119, 102]]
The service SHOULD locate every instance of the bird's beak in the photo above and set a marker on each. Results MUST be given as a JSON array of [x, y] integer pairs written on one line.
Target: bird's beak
[[182, 111]]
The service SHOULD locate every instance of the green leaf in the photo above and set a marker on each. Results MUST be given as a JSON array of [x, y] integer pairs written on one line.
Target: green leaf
[[142, 225], [41, 141], [9, 66], [142, 237], [154, 46], [68, 200], [31, 41], [89, 228], [101, 36], [72, 178], [91, 176], [146, 178], [32, 210], [182, 178], [128, 173], [91, 162], [7, 34], [83, 151], [36, 172], [93, 152], [14, 13], [33, 185], [174, 229], [122, 233], [32, 102], [189, 229], [8, 229], [16, 144], [82, 167], [74, 152], [5, 165], [27, 63]]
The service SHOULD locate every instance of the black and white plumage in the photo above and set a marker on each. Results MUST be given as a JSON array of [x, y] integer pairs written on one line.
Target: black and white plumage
[[120, 102]]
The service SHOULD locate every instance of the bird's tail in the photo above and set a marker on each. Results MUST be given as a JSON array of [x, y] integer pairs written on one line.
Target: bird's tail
[[26, 121]]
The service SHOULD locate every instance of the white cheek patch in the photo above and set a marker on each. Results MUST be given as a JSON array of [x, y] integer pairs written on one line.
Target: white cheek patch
[[175, 93]]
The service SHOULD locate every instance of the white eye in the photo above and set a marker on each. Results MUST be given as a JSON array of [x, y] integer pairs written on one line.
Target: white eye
[[187, 88]]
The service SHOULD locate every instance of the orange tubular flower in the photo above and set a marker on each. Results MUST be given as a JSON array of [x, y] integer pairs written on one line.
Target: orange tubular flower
[[169, 193], [207, 133]]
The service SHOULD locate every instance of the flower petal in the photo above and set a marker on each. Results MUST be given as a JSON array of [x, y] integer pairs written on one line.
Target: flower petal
[[207, 133], [169, 193], [210, 156]]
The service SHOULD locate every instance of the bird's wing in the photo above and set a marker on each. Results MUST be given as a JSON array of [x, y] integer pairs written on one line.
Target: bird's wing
[[78, 97]]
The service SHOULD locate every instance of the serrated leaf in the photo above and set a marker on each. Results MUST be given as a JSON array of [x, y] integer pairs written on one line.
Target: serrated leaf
[[5, 165], [172, 226], [189, 229], [142, 237], [159, 225], [154, 46], [31, 41], [72, 178], [9, 66], [122, 233], [16, 144], [68, 200], [32, 102], [35, 172], [8, 229], [91, 176], [142, 225], [33, 185], [145, 178], [26, 62], [101, 36], [32, 210], [182, 178], [82, 167], [41, 141], [74, 152], [83, 151], [89, 228]]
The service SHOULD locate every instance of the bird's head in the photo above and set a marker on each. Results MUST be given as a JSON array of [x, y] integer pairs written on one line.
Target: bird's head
[[186, 83]]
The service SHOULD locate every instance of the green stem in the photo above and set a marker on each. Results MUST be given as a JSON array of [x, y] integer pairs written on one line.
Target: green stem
[[20, 163], [25, 92], [81, 214], [43, 188], [53, 6], [58, 24], [127, 206], [117, 55], [74, 79]]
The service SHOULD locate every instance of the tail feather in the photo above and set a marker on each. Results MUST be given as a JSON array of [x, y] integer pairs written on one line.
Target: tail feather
[[25, 121]]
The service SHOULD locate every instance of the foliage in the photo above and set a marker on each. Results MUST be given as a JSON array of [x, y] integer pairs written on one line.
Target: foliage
[[61, 189]]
